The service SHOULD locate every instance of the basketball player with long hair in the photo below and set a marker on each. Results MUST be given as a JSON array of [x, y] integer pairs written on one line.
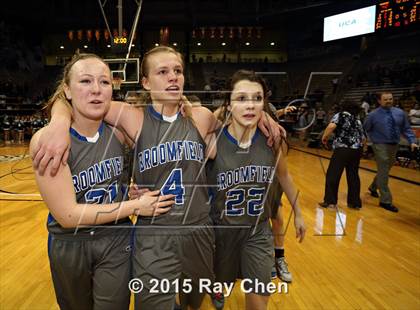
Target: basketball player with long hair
[[170, 152], [89, 244], [242, 173]]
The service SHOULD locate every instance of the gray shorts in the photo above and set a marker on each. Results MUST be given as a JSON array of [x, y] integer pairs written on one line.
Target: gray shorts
[[171, 253], [245, 254], [92, 273]]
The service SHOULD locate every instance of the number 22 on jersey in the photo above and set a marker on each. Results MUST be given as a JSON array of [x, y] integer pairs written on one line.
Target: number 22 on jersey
[[254, 201]]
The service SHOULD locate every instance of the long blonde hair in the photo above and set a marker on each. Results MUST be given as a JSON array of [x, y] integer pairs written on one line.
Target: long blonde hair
[[59, 93]]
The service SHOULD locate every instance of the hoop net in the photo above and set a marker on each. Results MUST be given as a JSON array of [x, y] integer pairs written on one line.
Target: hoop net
[[116, 83]]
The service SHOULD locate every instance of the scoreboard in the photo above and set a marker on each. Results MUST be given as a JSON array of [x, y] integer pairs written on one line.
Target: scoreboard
[[396, 13], [120, 40]]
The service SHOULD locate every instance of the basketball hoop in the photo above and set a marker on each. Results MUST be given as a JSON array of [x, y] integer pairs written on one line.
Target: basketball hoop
[[116, 83]]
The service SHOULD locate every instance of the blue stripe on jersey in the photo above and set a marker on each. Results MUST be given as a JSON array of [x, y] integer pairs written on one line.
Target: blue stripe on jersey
[[156, 114], [77, 135], [212, 194], [49, 244], [50, 218], [233, 140]]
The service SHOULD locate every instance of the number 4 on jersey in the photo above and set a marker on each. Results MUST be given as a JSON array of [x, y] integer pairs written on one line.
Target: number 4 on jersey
[[173, 185]]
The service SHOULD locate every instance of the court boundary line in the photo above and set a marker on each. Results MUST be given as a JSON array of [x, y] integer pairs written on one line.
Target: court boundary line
[[364, 168]]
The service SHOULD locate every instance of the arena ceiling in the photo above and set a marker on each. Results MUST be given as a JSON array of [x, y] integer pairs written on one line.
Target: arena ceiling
[[58, 15]]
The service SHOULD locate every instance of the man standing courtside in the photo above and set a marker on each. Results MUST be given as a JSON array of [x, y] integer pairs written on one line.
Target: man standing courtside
[[384, 126]]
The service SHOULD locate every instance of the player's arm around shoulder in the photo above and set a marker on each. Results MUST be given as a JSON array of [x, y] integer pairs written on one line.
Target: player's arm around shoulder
[[206, 124], [123, 138], [59, 195], [57, 191], [126, 117]]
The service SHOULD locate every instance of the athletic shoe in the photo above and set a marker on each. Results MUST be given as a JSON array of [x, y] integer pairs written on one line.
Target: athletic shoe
[[218, 300], [388, 206], [354, 206], [282, 270], [373, 193]]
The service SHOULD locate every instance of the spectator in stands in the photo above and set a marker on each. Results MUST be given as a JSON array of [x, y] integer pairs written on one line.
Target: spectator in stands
[[384, 126], [217, 101], [367, 98], [414, 115], [207, 93], [320, 116], [407, 101], [7, 127], [348, 147], [416, 93], [36, 123], [303, 116], [365, 107], [27, 125], [18, 128]]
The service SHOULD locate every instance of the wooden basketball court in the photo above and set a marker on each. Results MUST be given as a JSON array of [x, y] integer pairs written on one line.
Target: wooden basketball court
[[349, 260]]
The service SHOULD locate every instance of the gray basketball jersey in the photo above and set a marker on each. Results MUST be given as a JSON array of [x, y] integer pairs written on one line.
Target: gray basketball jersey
[[169, 156], [240, 178], [97, 169]]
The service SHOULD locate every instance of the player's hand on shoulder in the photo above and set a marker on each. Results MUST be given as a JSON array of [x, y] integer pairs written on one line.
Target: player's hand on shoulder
[[271, 129], [50, 146], [185, 106]]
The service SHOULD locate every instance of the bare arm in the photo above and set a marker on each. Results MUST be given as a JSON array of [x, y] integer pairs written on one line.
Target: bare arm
[[286, 110], [54, 143], [292, 194], [58, 194], [206, 124], [327, 132], [126, 118]]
